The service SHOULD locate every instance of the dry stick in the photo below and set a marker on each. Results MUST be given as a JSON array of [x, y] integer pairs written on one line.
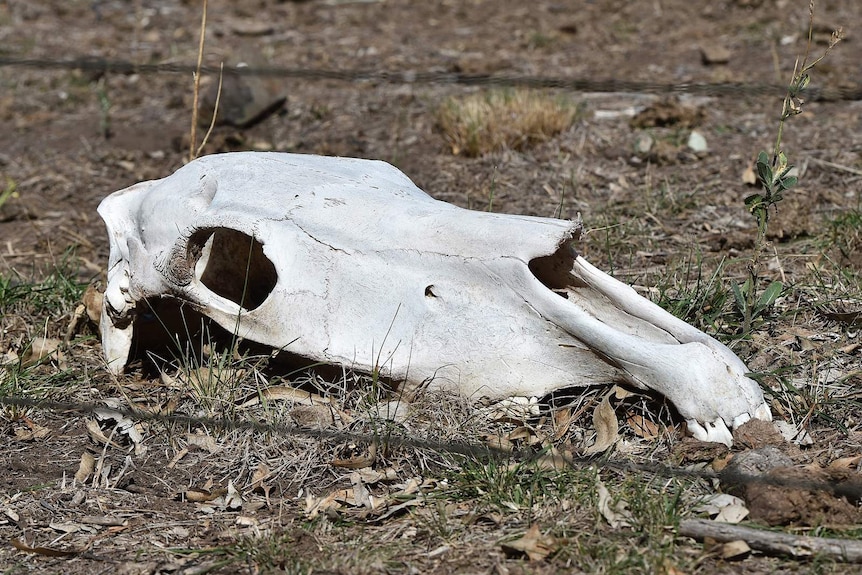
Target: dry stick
[[215, 111], [835, 166], [774, 543], [197, 75]]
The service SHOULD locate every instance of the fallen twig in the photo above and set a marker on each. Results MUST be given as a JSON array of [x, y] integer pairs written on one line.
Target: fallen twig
[[774, 543], [834, 166]]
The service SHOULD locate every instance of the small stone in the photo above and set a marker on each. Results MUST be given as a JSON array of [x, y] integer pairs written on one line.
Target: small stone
[[252, 29], [714, 54], [643, 144], [245, 100], [697, 142]]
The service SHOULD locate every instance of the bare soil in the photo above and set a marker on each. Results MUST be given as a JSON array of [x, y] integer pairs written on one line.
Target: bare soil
[[70, 137]]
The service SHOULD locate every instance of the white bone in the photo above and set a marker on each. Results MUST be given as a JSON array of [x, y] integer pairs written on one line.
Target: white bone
[[347, 262]]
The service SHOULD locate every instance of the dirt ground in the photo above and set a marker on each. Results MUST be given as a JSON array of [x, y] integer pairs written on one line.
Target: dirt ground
[[70, 137]]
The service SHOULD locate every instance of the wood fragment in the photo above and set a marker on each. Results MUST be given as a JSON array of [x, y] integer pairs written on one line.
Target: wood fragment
[[103, 520], [773, 543], [834, 166]]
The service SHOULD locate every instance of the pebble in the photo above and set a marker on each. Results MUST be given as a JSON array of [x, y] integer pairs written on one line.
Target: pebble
[[697, 142]]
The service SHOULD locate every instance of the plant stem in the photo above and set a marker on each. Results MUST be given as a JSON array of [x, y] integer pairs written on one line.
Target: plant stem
[[193, 135]]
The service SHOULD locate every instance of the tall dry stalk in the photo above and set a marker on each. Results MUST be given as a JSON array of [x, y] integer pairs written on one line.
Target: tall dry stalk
[[193, 135]]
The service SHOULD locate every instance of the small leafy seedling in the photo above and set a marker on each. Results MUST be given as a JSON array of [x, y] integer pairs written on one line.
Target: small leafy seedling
[[775, 178]]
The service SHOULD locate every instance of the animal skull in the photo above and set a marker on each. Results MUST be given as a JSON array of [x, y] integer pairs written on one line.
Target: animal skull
[[346, 261]]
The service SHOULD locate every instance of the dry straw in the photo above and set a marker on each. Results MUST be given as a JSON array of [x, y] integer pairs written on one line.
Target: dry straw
[[491, 121]]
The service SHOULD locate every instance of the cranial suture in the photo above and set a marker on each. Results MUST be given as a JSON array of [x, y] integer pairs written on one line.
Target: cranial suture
[[346, 261]]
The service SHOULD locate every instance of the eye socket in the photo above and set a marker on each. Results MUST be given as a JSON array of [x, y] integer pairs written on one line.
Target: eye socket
[[232, 264]]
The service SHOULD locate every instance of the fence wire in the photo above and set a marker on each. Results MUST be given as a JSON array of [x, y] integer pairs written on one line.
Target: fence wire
[[730, 477], [405, 77]]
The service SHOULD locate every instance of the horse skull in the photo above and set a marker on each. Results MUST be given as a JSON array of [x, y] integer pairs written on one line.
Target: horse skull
[[346, 261]]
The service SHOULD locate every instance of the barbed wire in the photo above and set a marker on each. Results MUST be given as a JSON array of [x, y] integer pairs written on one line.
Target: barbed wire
[[730, 477], [717, 89]]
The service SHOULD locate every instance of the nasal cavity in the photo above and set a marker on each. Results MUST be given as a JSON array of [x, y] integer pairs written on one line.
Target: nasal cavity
[[555, 271], [232, 264]]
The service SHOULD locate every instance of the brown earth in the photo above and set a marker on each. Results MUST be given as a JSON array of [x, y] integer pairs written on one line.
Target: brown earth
[[69, 137]]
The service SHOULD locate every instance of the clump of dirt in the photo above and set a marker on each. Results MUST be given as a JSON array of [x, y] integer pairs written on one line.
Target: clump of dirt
[[756, 433], [668, 114], [830, 500], [777, 492], [691, 450]]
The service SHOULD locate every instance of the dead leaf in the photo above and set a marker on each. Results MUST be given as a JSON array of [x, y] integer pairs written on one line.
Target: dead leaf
[[605, 420], [286, 393], [390, 511], [92, 300], [246, 521], [203, 441], [734, 550], [642, 427], [554, 460], [723, 507], [621, 392], [412, 486], [232, 498], [86, 467], [793, 434], [846, 463], [258, 477], [498, 442], [180, 454], [69, 527], [203, 495], [617, 515], [96, 434], [170, 381], [732, 514], [371, 476], [332, 502], [748, 176], [521, 432], [34, 430], [562, 421], [533, 544], [47, 551], [40, 348], [361, 494]]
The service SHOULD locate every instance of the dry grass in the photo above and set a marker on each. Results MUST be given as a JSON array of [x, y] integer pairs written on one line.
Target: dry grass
[[477, 124]]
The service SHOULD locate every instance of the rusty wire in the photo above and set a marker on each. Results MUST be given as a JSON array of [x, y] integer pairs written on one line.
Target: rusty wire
[[401, 77]]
